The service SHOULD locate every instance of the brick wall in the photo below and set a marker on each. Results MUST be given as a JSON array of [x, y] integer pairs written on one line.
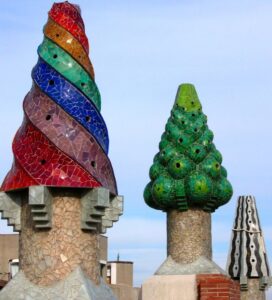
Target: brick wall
[[217, 287]]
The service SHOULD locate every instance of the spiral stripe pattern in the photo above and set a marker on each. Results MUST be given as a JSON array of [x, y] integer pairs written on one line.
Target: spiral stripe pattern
[[69, 43], [61, 14], [63, 140]]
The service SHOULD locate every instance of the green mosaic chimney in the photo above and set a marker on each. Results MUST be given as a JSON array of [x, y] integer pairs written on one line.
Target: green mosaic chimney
[[187, 171]]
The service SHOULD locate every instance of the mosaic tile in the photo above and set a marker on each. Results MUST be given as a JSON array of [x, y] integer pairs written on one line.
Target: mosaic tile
[[62, 62], [17, 178], [72, 101], [63, 140], [69, 136], [69, 43], [71, 10], [45, 163], [72, 26]]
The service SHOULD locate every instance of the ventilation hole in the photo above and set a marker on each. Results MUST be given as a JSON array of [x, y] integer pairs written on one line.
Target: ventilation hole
[[91, 140], [249, 221], [178, 165], [83, 84], [48, 117], [55, 56], [249, 211], [93, 163], [43, 162], [217, 166], [236, 268], [193, 115], [180, 140], [57, 35], [197, 151], [195, 130], [183, 108], [88, 119], [251, 233], [192, 102], [182, 122], [79, 56], [163, 152], [51, 82], [253, 260], [251, 246]]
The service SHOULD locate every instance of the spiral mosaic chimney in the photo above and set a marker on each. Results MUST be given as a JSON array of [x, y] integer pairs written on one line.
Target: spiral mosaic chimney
[[61, 192]]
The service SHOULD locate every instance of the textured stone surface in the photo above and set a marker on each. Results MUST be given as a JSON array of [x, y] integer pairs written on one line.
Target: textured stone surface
[[189, 235], [201, 266], [76, 286], [47, 256], [40, 201], [253, 291], [174, 287], [10, 206]]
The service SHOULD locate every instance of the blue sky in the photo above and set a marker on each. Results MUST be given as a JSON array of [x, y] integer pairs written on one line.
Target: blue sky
[[141, 52]]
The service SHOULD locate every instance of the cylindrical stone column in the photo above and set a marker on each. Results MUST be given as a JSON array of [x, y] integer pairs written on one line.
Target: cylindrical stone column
[[189, 235], [253, 291], [50, 255]]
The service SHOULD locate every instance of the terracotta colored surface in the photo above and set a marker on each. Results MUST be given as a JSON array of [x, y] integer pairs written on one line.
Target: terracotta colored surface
[[49, 256], [189, 235], [69, 43], [218, 287]]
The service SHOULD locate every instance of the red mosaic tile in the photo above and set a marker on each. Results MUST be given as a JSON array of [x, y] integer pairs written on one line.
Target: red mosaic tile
[[71, 10], [70, 25], [45, 163], [69, 136]]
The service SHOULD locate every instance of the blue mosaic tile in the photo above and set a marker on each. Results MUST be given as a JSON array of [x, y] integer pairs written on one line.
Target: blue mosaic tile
[[72, 101]]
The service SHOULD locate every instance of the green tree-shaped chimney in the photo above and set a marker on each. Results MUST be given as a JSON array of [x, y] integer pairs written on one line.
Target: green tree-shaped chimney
[[187, 171]]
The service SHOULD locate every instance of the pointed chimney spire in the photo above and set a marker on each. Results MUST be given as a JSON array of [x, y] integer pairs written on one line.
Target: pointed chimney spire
[[247, 256]]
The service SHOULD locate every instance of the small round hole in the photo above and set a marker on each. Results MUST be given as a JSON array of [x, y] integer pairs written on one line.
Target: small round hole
[[51, 82], [178, 165], [79, 56], [55, 56], [93, 163], [88, 119], [183, 108], [251, 246], [192, 102], [180, 140], [182, 122], [253, 260], [249, 221], [197, 151], [48, 117], [195, 130], [193, 115], [217, 166], [57, 35], [83, 84], [43, 162]]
